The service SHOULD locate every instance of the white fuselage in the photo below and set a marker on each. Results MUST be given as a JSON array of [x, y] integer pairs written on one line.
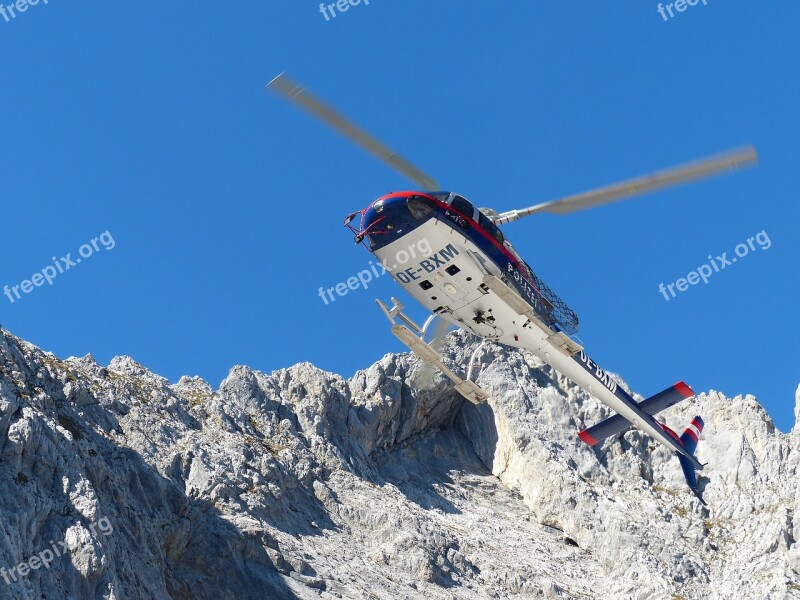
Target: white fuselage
[[426, 253]]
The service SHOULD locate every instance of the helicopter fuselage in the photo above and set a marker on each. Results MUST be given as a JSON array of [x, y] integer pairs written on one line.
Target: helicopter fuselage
[[453, 260]]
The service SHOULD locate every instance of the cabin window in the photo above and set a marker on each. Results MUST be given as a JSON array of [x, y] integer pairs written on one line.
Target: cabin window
[[491, 229]]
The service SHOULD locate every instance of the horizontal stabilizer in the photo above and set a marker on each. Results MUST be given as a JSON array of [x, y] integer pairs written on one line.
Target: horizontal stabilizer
[[652, 406]]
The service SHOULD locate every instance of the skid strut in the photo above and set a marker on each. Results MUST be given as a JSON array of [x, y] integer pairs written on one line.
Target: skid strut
[[413, 336]]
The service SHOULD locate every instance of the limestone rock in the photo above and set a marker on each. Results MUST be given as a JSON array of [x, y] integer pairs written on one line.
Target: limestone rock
[[300, 484]]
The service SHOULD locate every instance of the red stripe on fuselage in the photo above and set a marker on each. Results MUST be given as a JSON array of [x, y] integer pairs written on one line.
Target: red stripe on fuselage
[[668, 430]]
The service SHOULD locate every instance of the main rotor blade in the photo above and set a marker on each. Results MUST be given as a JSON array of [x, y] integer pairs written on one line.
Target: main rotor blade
[[298, 94], [730, 161]]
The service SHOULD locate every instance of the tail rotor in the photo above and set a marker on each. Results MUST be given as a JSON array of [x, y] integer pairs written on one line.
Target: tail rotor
[[689, 439]]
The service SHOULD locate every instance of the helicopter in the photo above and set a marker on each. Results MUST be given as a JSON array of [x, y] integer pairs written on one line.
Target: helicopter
[[471, 277]]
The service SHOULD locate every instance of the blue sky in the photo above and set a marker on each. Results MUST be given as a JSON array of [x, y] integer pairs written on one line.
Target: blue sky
[[225, 204]]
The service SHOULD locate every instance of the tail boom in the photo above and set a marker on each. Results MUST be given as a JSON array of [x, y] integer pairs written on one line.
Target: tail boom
[[600, 384]]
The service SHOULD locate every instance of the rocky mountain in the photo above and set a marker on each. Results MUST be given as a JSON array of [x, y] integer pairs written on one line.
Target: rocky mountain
[[117, 484]]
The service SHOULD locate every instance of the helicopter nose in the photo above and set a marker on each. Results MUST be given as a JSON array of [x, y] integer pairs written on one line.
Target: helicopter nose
[[386, 208], [386, 219]]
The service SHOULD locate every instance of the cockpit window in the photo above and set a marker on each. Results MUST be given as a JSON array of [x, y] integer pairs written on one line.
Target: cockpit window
[[460, 207], [463, 206], [420, 207], [440, 196]]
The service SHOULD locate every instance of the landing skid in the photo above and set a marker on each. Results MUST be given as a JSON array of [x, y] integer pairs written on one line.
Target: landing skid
[[413, 336]]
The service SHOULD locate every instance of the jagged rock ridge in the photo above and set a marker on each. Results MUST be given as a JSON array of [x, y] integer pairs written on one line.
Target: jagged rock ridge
[[301, 484]]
